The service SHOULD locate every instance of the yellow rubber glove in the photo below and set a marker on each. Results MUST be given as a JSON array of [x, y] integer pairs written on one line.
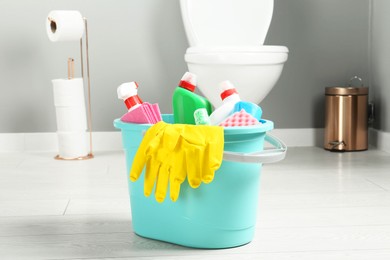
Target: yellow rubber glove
[[173, 152], [153, 133], [164, 163], [203, 146]]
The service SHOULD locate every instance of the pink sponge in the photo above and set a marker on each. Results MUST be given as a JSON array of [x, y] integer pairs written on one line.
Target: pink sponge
[[241, 118]]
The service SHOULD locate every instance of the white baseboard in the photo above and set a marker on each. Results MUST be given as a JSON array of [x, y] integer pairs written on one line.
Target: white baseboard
[[379, 139], [300, 137], [112, 141]]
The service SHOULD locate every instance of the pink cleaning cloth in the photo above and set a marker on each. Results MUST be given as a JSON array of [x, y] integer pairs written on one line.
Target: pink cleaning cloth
[[156, 112], [146, 113], [152, 111], [138, 116], [241, 118]]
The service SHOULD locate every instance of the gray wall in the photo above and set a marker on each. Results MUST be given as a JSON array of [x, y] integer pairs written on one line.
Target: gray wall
[[380, 63], [143, 40], [328, 42]]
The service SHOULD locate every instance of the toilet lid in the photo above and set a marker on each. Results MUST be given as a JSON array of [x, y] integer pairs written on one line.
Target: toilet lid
[[237, 49], [226, 22]]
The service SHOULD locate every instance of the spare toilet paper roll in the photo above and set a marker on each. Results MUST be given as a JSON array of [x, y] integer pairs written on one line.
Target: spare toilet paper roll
[[71, 119], [72, 145], [64, 25], [70, 105], [68, 92]]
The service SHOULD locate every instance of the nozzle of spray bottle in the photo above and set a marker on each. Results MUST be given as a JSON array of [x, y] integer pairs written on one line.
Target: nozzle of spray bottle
[[128, 92]]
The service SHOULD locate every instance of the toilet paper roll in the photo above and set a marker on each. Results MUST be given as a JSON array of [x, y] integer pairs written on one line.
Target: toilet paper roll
[[64, 25], [71, 119], [68, 92], [72, 145], [70, 105]]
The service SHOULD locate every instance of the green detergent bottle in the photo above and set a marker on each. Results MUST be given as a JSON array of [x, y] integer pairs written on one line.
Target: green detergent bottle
[[185, 101]]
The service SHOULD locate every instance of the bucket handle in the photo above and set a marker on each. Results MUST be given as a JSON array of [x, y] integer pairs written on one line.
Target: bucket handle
[[264, 156]]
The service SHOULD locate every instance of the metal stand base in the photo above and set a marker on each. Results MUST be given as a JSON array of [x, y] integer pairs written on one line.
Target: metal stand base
[[87, 157]]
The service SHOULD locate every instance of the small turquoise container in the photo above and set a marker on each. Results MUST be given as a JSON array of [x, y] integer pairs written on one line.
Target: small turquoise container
[[221, 214]]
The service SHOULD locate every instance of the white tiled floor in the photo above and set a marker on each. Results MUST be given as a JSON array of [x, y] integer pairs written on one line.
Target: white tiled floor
[[314, 205]]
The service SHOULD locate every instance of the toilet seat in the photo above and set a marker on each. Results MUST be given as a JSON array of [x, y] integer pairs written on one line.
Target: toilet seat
[[237, 49], [244, 55]]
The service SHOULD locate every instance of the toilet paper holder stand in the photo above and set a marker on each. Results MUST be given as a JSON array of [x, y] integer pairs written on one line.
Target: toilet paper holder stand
[[89, 116]]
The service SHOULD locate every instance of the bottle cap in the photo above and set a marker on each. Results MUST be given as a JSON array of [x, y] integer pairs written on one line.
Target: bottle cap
[[127, 90], [133, 102], [188, 81], [227, 89]]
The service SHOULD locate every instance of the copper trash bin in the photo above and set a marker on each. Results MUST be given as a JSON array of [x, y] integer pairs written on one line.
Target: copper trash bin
[[346, 122]]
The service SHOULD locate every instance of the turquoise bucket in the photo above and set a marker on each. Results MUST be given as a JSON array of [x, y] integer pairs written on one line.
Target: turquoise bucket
[[221, 214]]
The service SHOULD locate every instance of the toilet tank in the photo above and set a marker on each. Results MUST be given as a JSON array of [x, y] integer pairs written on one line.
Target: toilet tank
[[226, 22]]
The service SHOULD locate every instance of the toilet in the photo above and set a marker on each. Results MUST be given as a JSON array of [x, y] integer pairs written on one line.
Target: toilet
[[226, 40]]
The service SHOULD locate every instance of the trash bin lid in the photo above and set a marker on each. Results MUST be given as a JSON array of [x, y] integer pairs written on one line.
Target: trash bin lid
[[346, 91]]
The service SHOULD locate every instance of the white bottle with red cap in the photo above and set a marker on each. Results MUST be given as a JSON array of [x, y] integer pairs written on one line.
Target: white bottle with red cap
[[128, 92], [230, 97]]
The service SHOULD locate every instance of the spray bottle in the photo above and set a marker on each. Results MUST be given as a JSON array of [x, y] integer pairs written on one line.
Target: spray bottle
[[128, 92], [230, 97], [185, 101]]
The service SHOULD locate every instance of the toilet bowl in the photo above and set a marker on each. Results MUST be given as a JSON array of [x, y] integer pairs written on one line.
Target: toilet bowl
[[226, 40]]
